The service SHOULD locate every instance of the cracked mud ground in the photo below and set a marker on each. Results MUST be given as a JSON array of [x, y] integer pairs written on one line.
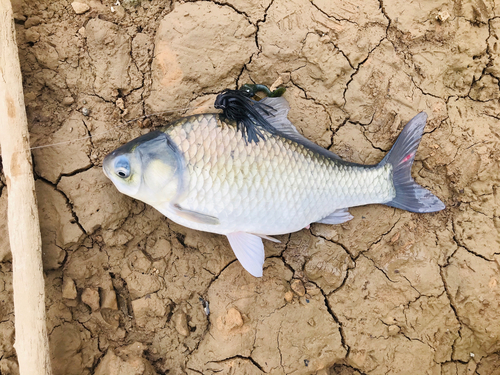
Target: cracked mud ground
[[389, 292]]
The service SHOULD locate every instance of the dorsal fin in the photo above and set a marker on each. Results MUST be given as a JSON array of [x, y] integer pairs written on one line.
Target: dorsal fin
[[269, 114], [278, 120]]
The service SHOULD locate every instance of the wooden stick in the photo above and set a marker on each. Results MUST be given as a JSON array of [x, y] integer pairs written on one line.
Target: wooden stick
[[24, 231]]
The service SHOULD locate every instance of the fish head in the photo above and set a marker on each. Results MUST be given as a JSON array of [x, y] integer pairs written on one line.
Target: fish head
[[148, 168]]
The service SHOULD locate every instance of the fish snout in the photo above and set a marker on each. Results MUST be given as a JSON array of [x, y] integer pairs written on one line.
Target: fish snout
[[106, 164]]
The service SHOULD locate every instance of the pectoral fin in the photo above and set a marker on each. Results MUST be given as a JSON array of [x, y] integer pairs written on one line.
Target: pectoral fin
[[197, 217], [249, 250], [337, 217]]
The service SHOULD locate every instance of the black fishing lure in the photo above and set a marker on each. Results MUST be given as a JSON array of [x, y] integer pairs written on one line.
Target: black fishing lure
[[238, 105]]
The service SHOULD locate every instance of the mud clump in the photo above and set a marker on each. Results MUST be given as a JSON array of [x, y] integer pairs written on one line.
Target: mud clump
[[389, 292]]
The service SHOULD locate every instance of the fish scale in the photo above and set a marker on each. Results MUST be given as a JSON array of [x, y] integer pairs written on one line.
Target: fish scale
[[272, 187]]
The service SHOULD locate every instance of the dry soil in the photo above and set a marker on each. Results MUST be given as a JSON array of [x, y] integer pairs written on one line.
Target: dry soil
[[389, 292]]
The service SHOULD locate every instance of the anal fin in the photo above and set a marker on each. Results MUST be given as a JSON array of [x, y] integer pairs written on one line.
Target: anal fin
[[337, 217]]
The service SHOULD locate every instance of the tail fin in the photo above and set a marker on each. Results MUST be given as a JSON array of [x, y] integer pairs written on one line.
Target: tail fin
[[409, 195]]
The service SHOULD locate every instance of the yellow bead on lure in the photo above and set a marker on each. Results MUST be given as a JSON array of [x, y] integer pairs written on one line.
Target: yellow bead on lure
[[216, 175]]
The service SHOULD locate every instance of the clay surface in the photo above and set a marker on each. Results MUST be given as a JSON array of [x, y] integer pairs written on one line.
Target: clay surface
[[390, 292]]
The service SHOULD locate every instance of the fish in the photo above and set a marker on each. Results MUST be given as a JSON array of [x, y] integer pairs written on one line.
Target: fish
[[201, 172]]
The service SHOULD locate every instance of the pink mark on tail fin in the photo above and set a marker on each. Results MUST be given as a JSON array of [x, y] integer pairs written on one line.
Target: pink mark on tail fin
[[307, 226], [407, 157]]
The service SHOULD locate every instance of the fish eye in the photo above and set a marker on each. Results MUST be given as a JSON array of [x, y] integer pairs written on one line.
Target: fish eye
[[122, 172], [122, 168]]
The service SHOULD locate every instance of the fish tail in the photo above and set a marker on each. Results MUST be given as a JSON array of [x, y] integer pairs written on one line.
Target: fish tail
[[410, 196]]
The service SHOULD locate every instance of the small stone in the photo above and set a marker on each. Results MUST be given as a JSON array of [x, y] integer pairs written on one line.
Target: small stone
[[311, 288], [79, 8], [120, 104], [180, 323], [82, 31], [443, 16], [67, 101], [276, 84], [32, 21], [298, 287], [85, 111], [29, 97], [119, 11], [19, 17], [233, 318], [68, 288], [31, 36], [108, 299], [289, 296], [393, 330], [145, 124], [70, 302], [90, 297]]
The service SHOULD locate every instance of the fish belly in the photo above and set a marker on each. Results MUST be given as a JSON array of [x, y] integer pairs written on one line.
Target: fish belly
[[271, 187]]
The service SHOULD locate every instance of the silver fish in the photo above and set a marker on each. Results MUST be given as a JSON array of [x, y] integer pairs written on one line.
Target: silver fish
[[201, 173]]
